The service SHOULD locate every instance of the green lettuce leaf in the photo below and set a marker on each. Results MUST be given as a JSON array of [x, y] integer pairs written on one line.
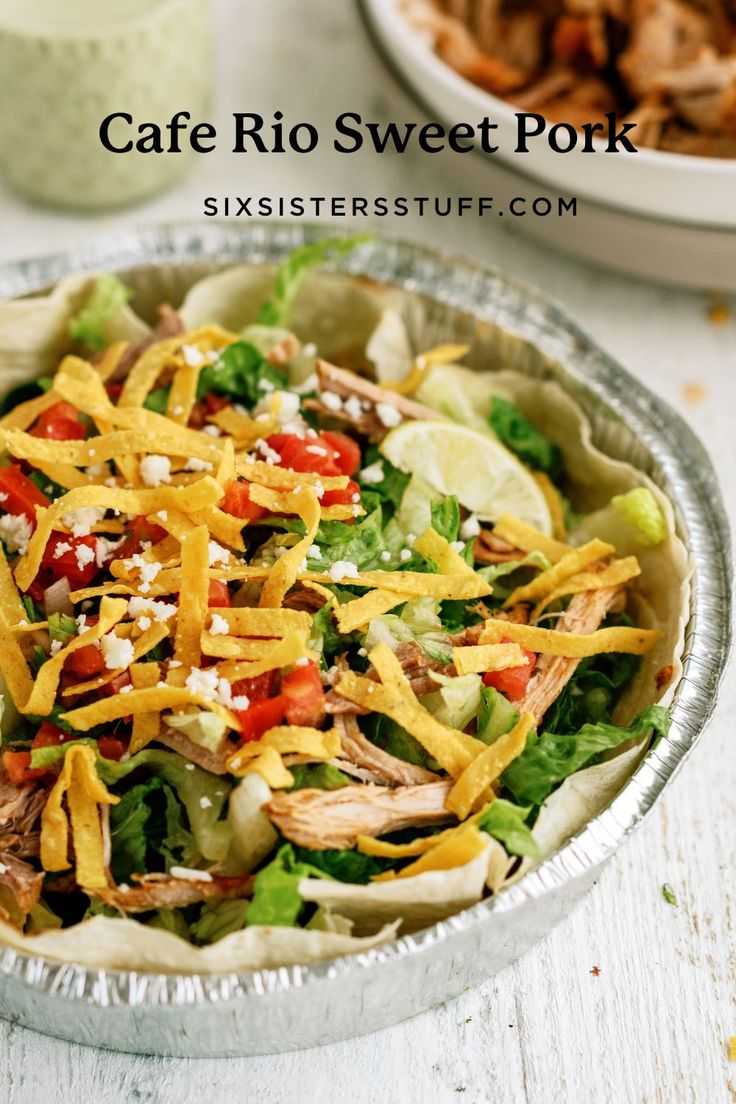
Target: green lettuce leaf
[[497, 715], [445, 517], [89, 325], [551, 757], [147, 831], [276, 898], [62, 627], [507, 823], [218, 919], [390, 490], [515, 431], [318, 776], [157, 400], [291, 274], [344, 866], [22, 392], [239, 372]]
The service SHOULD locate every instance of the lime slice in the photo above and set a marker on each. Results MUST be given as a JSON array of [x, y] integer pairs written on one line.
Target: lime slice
[[487, 479]]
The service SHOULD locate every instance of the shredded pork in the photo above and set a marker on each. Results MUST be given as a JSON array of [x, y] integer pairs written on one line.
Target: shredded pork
[[385, 768], [153, 891]]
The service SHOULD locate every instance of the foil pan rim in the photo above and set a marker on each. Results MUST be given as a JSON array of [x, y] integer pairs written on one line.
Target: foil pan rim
[[673, 447]]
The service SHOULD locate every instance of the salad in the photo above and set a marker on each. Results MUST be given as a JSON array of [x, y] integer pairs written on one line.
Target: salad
[[296, 655]]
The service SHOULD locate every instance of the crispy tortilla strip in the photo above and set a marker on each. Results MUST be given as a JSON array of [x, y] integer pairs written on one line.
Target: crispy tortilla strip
[[416, 584], [285, 571], [269, 765], [43, 695], [152, 700], [460, 846], [232, 647], [369, 845], [435, 547], [288, 740], [13, 665], [183, 393], [341, 512], [206, 492], [10, 603], [193, 598], [246, 621], [554, 504], [439, 354], [446, 745], [226, 469], [146, 726], [108, 446], [570, 564], [284, 479], [141, 647], [222, 527], [487, 657], [473, 783], [283, 653], [145, 372], [520, 535], [84, 792], [281, 502], [244, 429], [360, 611], [620, 571], [572, 645], [24, 415]]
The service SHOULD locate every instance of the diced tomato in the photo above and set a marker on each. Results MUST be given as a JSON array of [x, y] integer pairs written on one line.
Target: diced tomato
[[140, 530], [86, 662], [305, 454], [49, 735], [112, 747], [20, 494], [237, 502], [18, 767], [260, 716], [255, 689], [215, 403], [67, 564], [60, 423], [114, 391], [219, 595], [344, 497], [305, 696], [347, 451], [514, 680]]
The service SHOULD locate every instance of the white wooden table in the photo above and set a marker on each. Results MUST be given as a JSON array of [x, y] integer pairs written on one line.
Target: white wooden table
[[630, 1000]]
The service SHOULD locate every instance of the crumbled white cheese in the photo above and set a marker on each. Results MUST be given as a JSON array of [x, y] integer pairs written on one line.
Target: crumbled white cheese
[[288, 406], [317, 450], [163, 515], [470, 527], [457, 546], [331, 400], [353, 407], [147, 571], [98, 471], [192, 356], [212, 430], [177, 411], [104, 549], [61, 549], [319, 489], [343, 569], [217, 554], [56, 646], [314, 552], [81, 621], [205, 803], [126, 689], [218, 625], [355, 497], [81, 521], [174, 663], [265, 385], [83, 555], [195, 465], [385, 555], [117, 651], [189, 766], [160, 611], [373, 473], [144, 623], [302, 661], [155, 470], [15, 531], [202, 682], [185, 874], [241, 702], [405, 554], [362, 652], [388, 415]]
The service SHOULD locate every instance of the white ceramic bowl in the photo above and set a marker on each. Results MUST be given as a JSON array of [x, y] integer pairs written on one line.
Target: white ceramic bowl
[[699, 191]]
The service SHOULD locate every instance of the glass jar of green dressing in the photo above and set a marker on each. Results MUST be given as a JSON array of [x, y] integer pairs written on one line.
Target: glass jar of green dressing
[[67, 64]]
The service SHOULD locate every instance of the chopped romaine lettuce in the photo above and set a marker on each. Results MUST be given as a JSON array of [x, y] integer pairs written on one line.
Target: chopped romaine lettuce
[[157, 400], [456, 702], [62, 627], [344, 866], [318, 776], [200, 726], [276, 899], [507, 823], [551, 757], [218, 919], [291, 274], [390, 488], [497, 715], [239, 372], [147, 831], [515, 431], [445, 517], [631, 522], [89, 325]]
